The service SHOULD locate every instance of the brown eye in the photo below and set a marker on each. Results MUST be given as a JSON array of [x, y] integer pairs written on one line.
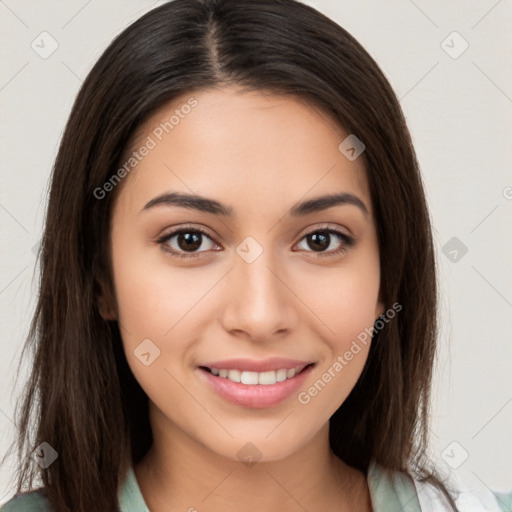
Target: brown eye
[[319, 241], [326, 242], [184, 241], [189, 241]]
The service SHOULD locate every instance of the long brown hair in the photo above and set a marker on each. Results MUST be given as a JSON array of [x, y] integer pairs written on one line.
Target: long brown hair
[[81, 396]]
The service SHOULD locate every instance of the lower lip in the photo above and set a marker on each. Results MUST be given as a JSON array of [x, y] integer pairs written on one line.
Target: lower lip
[[257, 395]]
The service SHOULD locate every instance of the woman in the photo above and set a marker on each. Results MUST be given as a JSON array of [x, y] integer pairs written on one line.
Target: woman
[[238, 296]]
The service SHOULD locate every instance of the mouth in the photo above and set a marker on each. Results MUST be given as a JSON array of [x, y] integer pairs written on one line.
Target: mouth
[[255, 389]]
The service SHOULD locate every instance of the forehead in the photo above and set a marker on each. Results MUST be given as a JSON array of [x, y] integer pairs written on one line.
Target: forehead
[[251, 148]]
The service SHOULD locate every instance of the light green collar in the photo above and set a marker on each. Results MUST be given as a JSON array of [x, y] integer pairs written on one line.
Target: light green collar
[[130, 497], [389, 491]]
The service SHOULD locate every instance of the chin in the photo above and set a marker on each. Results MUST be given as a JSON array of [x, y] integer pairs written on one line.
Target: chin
[[255, 449]]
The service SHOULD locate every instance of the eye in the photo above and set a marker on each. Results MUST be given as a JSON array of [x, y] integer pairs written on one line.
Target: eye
[[326, 242], [185, 242]]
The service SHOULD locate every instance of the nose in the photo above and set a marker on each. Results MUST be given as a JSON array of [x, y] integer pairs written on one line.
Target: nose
[[259, 304]]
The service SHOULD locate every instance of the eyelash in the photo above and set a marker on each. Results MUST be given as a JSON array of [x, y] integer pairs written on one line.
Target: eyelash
[[347, 241]]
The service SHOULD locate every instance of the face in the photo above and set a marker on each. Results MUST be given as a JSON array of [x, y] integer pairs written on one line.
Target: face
[[252, 277]]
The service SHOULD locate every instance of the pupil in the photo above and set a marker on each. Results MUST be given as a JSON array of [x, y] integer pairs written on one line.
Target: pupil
[[191, 241], [320, 241]]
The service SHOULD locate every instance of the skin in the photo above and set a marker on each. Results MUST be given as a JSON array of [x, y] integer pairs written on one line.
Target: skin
[[260, 154]]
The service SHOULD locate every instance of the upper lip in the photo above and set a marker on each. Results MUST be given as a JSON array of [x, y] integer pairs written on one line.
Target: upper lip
[[253, 365]]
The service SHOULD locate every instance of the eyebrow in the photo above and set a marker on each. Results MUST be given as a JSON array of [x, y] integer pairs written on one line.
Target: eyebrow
[[208, 205]]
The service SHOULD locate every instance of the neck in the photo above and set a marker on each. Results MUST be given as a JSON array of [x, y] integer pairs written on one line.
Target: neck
[[179, 473]]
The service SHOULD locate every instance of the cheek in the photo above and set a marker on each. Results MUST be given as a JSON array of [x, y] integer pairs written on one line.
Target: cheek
[[345, 298], [164, 304], [152, 308], [153, 297], [346, 306]]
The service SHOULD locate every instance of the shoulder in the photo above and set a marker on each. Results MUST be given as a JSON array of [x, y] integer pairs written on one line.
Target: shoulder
[[431, 498], [30, 502], [408, 493]]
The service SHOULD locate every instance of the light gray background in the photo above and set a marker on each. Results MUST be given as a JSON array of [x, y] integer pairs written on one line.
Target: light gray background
[[459, 112]]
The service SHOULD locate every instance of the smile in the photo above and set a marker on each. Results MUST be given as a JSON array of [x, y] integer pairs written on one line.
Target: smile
[[254, 389], [254, 378]]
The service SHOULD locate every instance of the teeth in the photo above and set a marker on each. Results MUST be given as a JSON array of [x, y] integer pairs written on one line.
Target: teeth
[[234, 375], [280, 375], [267, 378], [249, 377], [253, 378]]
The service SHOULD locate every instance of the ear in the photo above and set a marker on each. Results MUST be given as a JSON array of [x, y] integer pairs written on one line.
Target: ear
[[105, 300]]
